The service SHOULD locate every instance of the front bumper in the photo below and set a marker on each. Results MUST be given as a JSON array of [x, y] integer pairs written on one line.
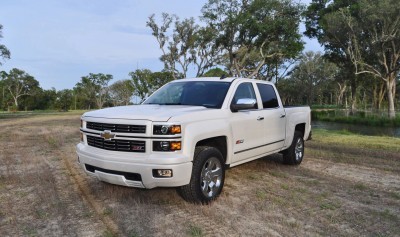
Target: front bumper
[[110, 166]]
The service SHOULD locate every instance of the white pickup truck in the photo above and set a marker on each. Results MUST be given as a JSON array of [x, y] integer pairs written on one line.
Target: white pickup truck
[[189, 132]]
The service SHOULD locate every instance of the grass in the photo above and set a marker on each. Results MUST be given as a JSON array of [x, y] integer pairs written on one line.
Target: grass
[[347, 139], [28, 114], [195, 231], [347, 185], [332, 115]]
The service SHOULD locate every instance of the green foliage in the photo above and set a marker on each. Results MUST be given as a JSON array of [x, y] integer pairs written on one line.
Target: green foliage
[[189, 44], [4, 52], [146, 81], [357, 118], [215, 72], [309, 80], [363, 36], [121, 92], [64, 100], [18, 83], [256, 36], [195, 231], [94, 88]]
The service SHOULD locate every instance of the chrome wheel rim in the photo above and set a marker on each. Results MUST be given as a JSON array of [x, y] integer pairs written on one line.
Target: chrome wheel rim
[[298, 150], [211, 177]]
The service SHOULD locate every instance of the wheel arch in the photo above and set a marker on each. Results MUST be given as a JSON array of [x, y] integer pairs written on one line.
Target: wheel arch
[[301, 127], [219, 142]]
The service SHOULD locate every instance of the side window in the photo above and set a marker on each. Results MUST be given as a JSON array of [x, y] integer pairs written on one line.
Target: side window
[[245, 91], [268, 96]]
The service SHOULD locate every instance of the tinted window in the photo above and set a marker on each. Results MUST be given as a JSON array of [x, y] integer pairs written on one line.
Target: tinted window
[[245, 91], [268, 96], [202, 93]]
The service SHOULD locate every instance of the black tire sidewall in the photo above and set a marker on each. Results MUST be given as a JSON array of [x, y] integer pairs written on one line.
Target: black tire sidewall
[[201, 158]]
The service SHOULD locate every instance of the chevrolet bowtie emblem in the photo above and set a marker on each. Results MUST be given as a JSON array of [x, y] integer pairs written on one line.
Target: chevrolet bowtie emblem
[[107, 135]]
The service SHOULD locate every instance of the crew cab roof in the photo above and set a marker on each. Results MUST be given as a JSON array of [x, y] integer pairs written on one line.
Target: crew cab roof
[[227, 79]]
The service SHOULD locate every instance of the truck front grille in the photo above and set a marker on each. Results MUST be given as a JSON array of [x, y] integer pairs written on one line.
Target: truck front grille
[[122, 128], [116, 144]]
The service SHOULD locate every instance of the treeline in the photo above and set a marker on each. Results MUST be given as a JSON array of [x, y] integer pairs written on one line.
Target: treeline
[[21, 91], [359, 68]]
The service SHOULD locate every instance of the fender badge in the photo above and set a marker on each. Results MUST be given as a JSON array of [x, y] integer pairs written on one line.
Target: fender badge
[[239, 141], [107, 135]]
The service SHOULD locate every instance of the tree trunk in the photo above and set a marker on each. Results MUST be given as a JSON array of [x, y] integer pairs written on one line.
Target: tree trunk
[[341, 93], [16, 103], [353, 96], [390, 89]]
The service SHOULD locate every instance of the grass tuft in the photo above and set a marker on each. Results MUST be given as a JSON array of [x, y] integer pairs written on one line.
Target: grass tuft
[[195, 231]]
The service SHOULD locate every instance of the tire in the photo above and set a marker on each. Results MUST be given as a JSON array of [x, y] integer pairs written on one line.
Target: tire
[[208, 176], [294, 154]]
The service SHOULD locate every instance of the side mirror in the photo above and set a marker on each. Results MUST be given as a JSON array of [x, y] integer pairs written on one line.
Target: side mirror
[[243, 104]]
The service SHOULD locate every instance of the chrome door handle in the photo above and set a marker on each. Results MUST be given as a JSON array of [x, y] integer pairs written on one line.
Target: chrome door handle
[[260, 118], [283, 115]]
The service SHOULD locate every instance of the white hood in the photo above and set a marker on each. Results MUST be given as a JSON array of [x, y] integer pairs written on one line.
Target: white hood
[[157, 113]]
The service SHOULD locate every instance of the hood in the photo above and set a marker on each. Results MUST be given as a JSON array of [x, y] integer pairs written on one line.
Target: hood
[[157, 113]]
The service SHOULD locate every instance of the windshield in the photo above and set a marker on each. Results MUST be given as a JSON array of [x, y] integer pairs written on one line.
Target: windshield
[[209, 94]]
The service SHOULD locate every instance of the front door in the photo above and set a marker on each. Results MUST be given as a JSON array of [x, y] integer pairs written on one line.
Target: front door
[[247, 126]]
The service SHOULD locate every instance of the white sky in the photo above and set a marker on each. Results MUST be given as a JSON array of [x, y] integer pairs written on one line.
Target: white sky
[[58, 42]]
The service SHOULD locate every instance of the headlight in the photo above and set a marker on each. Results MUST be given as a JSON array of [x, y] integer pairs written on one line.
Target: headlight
[[166, 129]]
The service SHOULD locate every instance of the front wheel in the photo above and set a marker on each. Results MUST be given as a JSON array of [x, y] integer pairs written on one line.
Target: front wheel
[[294, 154], [208, 175]]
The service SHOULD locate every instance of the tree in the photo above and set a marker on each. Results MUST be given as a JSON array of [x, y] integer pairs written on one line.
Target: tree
[[95, 86], [4, 52], [365, 34], [121, 92], [188, 45], [20, 83], [215, 72], [141, 79], [146, 81], [255, 34], [310, 79], [63, 100]]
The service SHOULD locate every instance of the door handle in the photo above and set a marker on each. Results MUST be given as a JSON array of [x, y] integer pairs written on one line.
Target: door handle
[[283, 115], [260, 118]]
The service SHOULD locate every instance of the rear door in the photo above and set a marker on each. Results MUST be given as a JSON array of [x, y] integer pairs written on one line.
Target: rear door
[[247, 125], [274, 118]]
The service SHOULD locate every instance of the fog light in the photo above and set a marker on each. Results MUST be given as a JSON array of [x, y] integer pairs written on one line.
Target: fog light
[[166, 145], [162, 173]]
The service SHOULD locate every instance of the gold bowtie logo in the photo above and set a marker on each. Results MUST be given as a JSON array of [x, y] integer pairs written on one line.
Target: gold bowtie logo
[[107, 135]]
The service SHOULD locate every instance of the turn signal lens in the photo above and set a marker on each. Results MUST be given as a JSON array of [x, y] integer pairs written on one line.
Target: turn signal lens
[[81, 123], [175, 146], [175, 129], [166, 145]]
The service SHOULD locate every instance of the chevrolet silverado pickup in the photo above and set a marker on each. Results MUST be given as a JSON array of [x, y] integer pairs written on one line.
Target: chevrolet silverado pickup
[[188, 132]]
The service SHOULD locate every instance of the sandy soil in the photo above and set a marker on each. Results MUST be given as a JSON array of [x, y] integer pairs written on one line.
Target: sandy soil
[[43, 192]]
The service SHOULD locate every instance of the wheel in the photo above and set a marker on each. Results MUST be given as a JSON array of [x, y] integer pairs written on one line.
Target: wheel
[[208, 175], [294, 154]]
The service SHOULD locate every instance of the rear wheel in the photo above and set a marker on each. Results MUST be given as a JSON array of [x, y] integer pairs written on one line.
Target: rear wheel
[[294, 154], [208, 175]]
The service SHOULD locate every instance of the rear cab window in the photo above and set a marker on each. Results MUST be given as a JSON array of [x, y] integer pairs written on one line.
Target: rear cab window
[[268, 96]]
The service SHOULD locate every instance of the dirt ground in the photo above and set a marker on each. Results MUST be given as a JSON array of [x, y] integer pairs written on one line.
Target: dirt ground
[[340, 189]]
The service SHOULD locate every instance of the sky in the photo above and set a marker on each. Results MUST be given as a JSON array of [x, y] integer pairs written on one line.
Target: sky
[[58, 42]]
